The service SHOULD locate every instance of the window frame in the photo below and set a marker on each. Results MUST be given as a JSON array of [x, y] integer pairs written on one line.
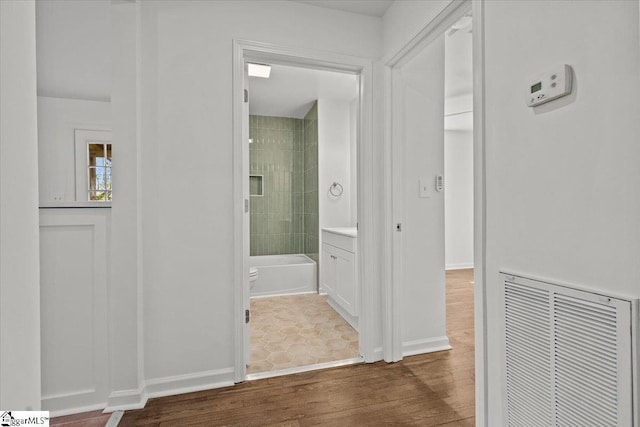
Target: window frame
[[82, 138]]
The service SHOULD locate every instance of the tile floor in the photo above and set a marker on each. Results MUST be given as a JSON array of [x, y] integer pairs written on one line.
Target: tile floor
[[298, 330]]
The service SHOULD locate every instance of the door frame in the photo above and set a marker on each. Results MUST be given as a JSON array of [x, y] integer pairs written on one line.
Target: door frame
[[394, 210], [269, 53]]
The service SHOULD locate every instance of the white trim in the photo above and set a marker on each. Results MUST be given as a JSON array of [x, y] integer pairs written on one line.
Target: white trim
[[139, 200], [167, 386], [431, 345], [378, 353], [392, 293], [635, 345], [288, 294], [351, 320], [114, 419], [447, 16], [180, 384], [463, 266], [69, 204], [82, 138], [479, 216], [126, 400], [91, 398], [363, 67], [390, 327], [394, 164], [240, 264], [301, 369]]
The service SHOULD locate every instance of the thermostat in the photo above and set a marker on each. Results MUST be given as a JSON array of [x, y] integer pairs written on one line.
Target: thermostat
[[549, 86]]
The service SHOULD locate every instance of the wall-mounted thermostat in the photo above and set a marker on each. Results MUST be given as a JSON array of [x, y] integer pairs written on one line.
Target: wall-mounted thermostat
[[549, 86]]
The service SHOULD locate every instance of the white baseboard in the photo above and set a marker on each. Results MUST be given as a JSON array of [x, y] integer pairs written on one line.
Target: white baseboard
[[180, 384], [429, 345], [125, 400], [351, 320], [378, 354], [168, 386], [462, 266]]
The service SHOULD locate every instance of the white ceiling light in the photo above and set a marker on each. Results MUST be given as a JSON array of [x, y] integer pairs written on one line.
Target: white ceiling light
[[259, 70]]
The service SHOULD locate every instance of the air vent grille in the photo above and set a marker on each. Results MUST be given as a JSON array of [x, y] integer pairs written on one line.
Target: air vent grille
[[567, 355]]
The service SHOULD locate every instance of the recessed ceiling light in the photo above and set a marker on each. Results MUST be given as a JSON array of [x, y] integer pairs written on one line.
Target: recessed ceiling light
[[259, 70]]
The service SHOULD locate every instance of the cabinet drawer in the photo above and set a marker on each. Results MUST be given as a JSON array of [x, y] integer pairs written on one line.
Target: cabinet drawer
[[339, 241]]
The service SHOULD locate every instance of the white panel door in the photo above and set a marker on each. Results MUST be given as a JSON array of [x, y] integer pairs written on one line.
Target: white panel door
[[418, 157], [73, 292]]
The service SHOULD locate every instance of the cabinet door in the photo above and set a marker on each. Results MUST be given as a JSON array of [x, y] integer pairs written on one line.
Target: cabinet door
[[346, 280], [328, 270]]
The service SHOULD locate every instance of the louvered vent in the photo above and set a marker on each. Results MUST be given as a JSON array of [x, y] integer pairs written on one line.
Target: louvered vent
[[528, 356], [568, 356]]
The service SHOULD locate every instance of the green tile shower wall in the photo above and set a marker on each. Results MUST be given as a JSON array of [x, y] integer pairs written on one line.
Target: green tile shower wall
[[311, 230], [277, 153]]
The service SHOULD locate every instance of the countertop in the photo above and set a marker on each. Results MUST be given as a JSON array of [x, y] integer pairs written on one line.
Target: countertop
[[343, 231]]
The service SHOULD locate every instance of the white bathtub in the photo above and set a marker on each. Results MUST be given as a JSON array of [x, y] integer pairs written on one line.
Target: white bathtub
[[284, 275]]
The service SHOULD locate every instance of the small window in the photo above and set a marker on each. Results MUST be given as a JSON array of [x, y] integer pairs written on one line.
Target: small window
[[93, 166], [99, 171]]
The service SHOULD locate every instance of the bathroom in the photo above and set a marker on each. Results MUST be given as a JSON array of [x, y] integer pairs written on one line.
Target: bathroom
[[302, 181]]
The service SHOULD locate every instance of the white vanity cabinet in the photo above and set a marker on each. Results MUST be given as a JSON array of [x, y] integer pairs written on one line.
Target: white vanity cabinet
[[339, 272]]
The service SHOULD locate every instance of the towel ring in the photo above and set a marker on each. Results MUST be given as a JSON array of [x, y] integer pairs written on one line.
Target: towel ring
[[336, 189]]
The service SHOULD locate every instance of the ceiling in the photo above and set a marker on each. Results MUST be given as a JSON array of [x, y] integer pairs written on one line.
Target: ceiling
[[291, 91], [368, 7]]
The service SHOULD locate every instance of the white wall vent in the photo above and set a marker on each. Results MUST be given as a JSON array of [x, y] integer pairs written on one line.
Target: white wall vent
[[570, 356]]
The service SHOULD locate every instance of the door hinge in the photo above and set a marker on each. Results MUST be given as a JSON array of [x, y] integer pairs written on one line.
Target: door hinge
[[246, 95], [246, 205], [247, 316]]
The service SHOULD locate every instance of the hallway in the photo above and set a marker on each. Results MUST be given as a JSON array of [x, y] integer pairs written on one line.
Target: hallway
[[434, 389]]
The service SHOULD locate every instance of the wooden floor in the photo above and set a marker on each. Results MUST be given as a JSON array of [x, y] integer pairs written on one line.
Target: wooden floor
[[436, 389], [85, 419]]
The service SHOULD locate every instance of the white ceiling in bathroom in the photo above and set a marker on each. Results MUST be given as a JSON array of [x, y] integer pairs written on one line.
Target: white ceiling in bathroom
[[362, 7], [291, 91]]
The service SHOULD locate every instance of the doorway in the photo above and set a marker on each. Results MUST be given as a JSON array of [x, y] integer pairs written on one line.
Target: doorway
[[458, 179], [417, 116], [245, 52], [302, 182]]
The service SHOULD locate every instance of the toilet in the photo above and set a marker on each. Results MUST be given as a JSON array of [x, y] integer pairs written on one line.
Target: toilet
[[253, 276]]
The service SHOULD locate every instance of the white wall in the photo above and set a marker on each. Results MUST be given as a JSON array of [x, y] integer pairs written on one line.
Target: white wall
[[562, 179], [334, 163], [74, 264], [187, 168], [404, 20], [57, 120], [74, 60], [121, 312], [458, 199], [19, 256], [419, 117], [125, 287]]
